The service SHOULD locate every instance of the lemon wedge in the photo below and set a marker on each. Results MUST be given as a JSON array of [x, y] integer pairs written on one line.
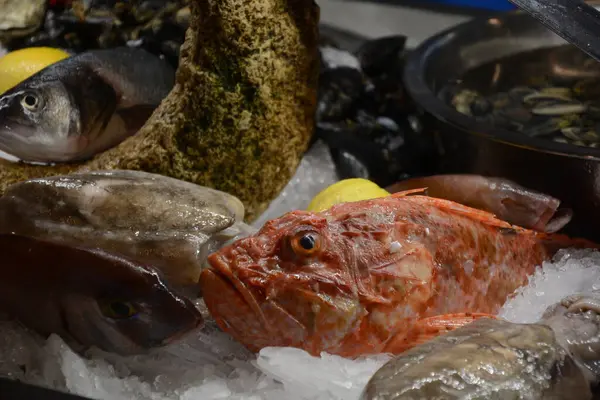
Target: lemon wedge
[[19, 65], [344, 191]]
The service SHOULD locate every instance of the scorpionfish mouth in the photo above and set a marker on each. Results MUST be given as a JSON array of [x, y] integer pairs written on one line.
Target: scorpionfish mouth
[[262, 307], [242, 309]]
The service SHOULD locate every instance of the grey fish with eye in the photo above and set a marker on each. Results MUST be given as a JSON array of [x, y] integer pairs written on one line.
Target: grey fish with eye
[[90, 297], [557, 358], [82, 105], [164, 222]]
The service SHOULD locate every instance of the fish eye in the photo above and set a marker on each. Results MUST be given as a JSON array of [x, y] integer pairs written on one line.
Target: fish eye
[[117, 309], [30, 101], [306, 243]]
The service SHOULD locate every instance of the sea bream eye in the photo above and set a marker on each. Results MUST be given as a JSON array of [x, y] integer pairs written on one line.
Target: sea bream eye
[[30, 101]]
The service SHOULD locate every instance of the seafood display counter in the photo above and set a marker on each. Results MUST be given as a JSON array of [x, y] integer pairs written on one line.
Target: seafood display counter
[[227, 199]]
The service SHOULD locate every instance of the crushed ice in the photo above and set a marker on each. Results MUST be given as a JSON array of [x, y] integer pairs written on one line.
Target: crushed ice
[[572, 271], [190, 370], [211, 365]]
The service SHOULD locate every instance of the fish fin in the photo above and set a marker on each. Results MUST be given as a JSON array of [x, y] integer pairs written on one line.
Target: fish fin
[[469, 212], [427, 329], [555, 241], [408, 192]]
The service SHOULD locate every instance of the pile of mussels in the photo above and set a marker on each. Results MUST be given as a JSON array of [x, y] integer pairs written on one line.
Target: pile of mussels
[[363, 114], [157, 26]]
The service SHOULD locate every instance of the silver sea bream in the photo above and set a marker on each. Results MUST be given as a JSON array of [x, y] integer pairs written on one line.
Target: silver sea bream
[[82, 105]]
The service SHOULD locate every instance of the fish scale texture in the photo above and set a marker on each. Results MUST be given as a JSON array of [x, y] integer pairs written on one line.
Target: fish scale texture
[[242, 111], [380, 269]]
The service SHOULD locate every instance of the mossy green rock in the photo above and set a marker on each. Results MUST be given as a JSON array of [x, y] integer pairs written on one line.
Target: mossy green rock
[[241, 113]]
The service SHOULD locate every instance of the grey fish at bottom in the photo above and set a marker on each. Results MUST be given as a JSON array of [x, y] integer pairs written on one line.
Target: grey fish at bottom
[[90, 297], [556, 359], [82, 105]]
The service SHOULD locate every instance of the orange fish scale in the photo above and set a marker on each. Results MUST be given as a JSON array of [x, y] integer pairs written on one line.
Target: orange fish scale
[[381, 275]]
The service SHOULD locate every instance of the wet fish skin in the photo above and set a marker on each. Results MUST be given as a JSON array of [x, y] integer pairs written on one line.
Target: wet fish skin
[[488, 359], [556, 358], [576, 323], [156, 220], [89, 297], [370, 276], [506, 199], [82, 105]]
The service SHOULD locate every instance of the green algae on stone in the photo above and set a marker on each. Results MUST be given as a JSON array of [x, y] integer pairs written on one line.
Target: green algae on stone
[[241, 113]]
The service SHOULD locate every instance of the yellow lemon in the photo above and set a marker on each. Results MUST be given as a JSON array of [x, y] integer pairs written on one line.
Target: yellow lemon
[[348, 190], [19, 65]]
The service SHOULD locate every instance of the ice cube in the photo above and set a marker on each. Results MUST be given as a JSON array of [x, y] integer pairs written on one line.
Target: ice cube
[[571, 271]]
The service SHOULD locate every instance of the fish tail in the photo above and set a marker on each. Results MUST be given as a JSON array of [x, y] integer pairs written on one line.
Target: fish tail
[[554, 242]]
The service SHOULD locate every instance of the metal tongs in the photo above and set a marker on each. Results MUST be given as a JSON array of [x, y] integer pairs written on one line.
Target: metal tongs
[[576, 21]]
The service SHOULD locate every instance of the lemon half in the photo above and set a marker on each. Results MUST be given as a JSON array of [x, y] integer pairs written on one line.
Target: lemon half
[[19, 65], [344, 191]]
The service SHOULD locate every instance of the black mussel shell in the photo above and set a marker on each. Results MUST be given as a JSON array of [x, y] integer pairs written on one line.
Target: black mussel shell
[[376, 56], [63, 32], [382, 61], [376, 148], [387, 97], [157, 26], [365, 117], [353, 155], [339, 91]]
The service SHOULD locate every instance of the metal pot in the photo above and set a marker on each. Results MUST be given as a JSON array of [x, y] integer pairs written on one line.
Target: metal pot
[[568, 172]]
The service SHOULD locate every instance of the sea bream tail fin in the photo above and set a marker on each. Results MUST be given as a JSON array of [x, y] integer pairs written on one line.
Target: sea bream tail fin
[[427, 329]]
